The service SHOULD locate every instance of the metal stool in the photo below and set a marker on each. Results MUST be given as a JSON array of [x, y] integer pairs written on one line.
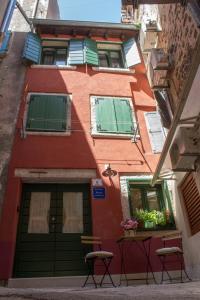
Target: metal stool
[[91, 257], [165, 252]]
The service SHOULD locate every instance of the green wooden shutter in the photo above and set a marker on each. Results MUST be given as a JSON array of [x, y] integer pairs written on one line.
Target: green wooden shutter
[[105, 115], [36, 112], [76, 52], [123, 116], [131, 52], [55, 113], [5, 43], [32, 48], [47, 113], [91, 53], [156, 131]]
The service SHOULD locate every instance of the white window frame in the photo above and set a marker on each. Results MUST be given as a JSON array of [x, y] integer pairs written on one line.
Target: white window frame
[[25, 132], [94, 131]]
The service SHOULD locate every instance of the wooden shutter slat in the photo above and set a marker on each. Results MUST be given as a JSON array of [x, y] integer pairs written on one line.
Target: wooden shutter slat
[[156, 132], [47, 113], [91, 52], [123, 116], [191, 197], [32, 48], [105, 115], [131, 53], [76, 52]]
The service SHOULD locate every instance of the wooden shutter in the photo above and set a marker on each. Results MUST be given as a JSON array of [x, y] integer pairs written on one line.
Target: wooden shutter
[[47, 113], [32, 48], [131, 52], [105, 115], [191, 198], [91, 53], [123, 116], [156, 131], [76, 52], [5, 43]]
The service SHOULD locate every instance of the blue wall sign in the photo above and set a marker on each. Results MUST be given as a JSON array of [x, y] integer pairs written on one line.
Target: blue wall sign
[[99, 192]]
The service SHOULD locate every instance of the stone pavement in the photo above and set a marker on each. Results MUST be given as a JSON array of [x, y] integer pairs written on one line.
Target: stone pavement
[[189, 291]]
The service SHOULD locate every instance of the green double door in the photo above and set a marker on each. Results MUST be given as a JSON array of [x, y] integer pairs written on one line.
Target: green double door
[[52, 219]]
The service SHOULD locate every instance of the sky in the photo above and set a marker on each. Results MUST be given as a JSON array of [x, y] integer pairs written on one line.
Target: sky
[[90, 10]]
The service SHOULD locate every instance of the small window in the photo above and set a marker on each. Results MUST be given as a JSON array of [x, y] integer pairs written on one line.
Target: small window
[[48, 112], [51, 56], [110, 58], [151, 205], [54, 52], [112, 116]]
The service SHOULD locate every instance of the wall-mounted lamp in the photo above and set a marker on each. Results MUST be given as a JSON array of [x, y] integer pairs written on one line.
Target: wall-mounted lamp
[[108, 172]]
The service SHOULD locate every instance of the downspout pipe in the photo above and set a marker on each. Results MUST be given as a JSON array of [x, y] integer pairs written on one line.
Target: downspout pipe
[[183, 99], [8, 15]]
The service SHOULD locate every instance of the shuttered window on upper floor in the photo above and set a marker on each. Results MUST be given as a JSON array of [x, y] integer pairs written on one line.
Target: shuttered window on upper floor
[[155, 130], [191, 198], [113, 116], [81, 51], [47, 113]]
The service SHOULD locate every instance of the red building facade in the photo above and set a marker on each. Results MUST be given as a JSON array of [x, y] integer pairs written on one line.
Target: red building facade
[[86, 104]]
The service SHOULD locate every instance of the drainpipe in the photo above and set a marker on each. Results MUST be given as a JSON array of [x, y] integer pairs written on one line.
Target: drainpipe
[[8, 15], [183, 99]]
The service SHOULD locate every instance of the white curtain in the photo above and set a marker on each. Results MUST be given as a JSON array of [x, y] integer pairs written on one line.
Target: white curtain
[[72, 213], [39, 213]]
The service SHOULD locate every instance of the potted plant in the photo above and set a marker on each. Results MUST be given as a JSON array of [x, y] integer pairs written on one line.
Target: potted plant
[[150, 219], [129, 225]]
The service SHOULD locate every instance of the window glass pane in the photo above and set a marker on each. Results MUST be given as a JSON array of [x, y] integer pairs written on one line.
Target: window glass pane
[[39, 213], [72, 213], [115, 58], [61, 57], [48, 56], [136, 199], [103, 59], [152, 199]]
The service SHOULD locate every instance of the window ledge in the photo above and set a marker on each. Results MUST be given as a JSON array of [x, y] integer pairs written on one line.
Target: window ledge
[[115, 70], [116, 136], [54, 67], [43, 133]]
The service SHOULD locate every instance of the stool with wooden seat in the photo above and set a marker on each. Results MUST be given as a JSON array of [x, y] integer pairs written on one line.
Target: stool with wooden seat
[[165, 252], [91, 257]]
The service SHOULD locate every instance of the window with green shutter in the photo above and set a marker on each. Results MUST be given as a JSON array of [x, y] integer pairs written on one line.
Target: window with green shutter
[[113, 115], [47, 112], [151, 204]]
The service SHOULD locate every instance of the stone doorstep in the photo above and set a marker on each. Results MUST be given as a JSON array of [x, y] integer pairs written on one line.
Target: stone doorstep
[[77, 281]]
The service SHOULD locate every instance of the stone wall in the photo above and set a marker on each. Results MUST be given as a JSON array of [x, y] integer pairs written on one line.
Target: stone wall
[[12, 73], [178, 38]]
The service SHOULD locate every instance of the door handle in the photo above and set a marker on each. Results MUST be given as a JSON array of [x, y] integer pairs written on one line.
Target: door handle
[[53, 219]]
